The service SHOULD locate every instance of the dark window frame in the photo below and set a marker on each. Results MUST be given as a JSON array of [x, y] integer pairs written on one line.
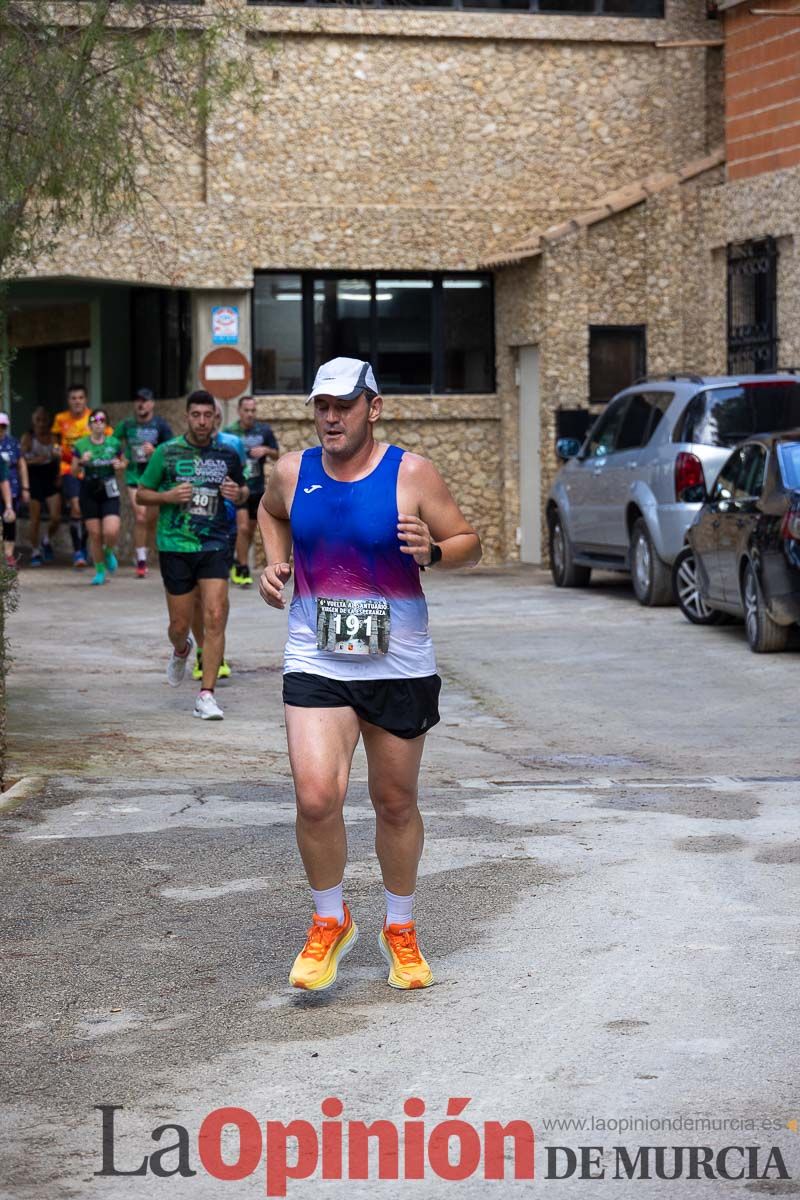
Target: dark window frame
[[174, 357], [438, 362], [621, 331]]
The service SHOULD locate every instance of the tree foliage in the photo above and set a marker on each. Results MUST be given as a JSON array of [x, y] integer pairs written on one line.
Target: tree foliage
[[92, 91]]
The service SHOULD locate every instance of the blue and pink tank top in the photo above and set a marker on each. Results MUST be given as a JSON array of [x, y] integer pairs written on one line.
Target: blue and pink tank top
[[346, 547]]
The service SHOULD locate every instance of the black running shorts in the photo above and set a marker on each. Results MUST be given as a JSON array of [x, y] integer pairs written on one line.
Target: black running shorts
[[181, 572], [404, 707], [95, 504], [253, 501]]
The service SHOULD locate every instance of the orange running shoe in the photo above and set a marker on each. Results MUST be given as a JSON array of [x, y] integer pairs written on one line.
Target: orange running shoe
[[407, 965], [326, 942]]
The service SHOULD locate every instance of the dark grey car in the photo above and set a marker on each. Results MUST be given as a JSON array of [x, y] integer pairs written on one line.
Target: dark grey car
[[625, 497]]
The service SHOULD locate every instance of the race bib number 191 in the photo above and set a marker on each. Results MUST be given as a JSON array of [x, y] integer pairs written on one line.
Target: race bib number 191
[[353, 626]]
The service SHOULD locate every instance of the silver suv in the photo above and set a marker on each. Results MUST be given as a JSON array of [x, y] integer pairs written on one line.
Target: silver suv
[[625, 498]]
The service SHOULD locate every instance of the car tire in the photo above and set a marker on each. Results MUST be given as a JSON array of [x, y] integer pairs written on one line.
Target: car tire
[[650, 575], [687, 592], [764, 636], [562, 567]]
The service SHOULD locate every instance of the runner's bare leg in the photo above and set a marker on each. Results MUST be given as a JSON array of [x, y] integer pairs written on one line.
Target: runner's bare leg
[[393, 775], [321, 746]]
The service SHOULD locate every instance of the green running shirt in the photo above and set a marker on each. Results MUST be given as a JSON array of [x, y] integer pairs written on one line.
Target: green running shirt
[[202, 523]]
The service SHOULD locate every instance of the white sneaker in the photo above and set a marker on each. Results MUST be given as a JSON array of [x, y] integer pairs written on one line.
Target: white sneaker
[[176, 667], [206, 707]]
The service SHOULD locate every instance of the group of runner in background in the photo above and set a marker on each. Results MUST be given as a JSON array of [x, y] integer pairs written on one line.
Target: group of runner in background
[[70, 467]]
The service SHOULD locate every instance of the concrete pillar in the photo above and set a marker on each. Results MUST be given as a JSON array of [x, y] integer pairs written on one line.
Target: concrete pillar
[[202, 304]]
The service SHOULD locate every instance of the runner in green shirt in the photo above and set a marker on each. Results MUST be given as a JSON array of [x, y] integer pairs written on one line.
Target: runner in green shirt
[[96, 458], [189, 479], [140, 434]]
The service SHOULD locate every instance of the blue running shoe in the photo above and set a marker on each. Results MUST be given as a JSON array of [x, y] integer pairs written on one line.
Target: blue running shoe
[[36, 559], [111, 560], [79, 560], [99, 576], [47, 552]]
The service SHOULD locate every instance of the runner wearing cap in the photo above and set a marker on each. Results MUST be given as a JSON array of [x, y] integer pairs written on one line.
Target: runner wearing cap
[[190, 477], [260, 445], [362, 519], [140, 434]]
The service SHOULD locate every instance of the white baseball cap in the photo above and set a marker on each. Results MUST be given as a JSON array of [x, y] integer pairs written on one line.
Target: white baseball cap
[[4, 419], [345, 378]]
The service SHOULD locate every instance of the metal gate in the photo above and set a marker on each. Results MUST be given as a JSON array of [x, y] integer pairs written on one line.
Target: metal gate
[[752, 307]]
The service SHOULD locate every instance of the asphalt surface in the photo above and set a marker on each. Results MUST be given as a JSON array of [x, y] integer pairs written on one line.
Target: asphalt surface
[[608, 896]]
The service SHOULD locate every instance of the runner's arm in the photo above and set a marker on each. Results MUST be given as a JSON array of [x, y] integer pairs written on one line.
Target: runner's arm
[[439, 520], [24, 477], [153, 474]]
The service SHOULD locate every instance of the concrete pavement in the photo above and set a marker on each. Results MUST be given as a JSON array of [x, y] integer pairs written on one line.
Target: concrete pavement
[[608, 894]]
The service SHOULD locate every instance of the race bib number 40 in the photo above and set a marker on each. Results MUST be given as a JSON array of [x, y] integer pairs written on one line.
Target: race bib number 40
[[353, 626], [204, 502]]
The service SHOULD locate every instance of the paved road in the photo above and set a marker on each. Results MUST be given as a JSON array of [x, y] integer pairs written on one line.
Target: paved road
[[609, 894]]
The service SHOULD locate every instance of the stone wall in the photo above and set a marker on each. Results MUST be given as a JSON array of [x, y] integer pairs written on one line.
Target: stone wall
[[454, 134]]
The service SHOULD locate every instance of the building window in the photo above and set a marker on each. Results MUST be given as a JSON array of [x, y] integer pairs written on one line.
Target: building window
[[617, 358], [78, 366], [607, 8], [161, 341], [752, 307], [278, 333], [423, 333]]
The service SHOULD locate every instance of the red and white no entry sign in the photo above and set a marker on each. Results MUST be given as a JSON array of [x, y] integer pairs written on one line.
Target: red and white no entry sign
[[225, 372]]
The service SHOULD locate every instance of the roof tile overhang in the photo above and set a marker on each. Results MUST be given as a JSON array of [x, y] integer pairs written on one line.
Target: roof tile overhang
[[607, 206]]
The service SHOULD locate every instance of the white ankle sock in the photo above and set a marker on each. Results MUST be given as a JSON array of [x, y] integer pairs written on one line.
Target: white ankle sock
[[399, 909], [141, 554], [329, 902]]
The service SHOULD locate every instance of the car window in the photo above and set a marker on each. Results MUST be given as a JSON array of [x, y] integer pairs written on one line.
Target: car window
[[602, 439], [728, 477], [723, 416], [750, 478], [633, 431], [789, 459]]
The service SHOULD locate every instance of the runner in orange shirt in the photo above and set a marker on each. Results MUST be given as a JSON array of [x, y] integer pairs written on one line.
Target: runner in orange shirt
[[68, 427]]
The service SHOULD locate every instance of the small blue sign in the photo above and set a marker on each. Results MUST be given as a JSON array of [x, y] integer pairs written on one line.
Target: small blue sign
[[224, 325]]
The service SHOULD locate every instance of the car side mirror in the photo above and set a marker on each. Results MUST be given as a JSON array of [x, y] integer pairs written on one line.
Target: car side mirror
[[567, 448]]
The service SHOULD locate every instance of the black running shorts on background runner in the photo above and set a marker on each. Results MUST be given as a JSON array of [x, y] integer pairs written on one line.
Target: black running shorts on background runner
[[404, 707], [253, 501], [95, 504], [181, 572]]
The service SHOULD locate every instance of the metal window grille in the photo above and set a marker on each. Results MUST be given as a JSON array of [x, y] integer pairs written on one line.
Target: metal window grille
[[752, 307]]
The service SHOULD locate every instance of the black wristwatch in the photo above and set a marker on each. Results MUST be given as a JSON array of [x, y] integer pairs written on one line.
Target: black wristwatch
[[436, 556]]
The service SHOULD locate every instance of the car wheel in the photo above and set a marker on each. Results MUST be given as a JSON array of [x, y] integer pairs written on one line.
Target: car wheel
[[651, 577], [564, 571], [686, 589], [764, 635]]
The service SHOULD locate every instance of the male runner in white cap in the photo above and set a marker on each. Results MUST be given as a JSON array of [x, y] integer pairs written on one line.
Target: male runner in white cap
[[362, 518]]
